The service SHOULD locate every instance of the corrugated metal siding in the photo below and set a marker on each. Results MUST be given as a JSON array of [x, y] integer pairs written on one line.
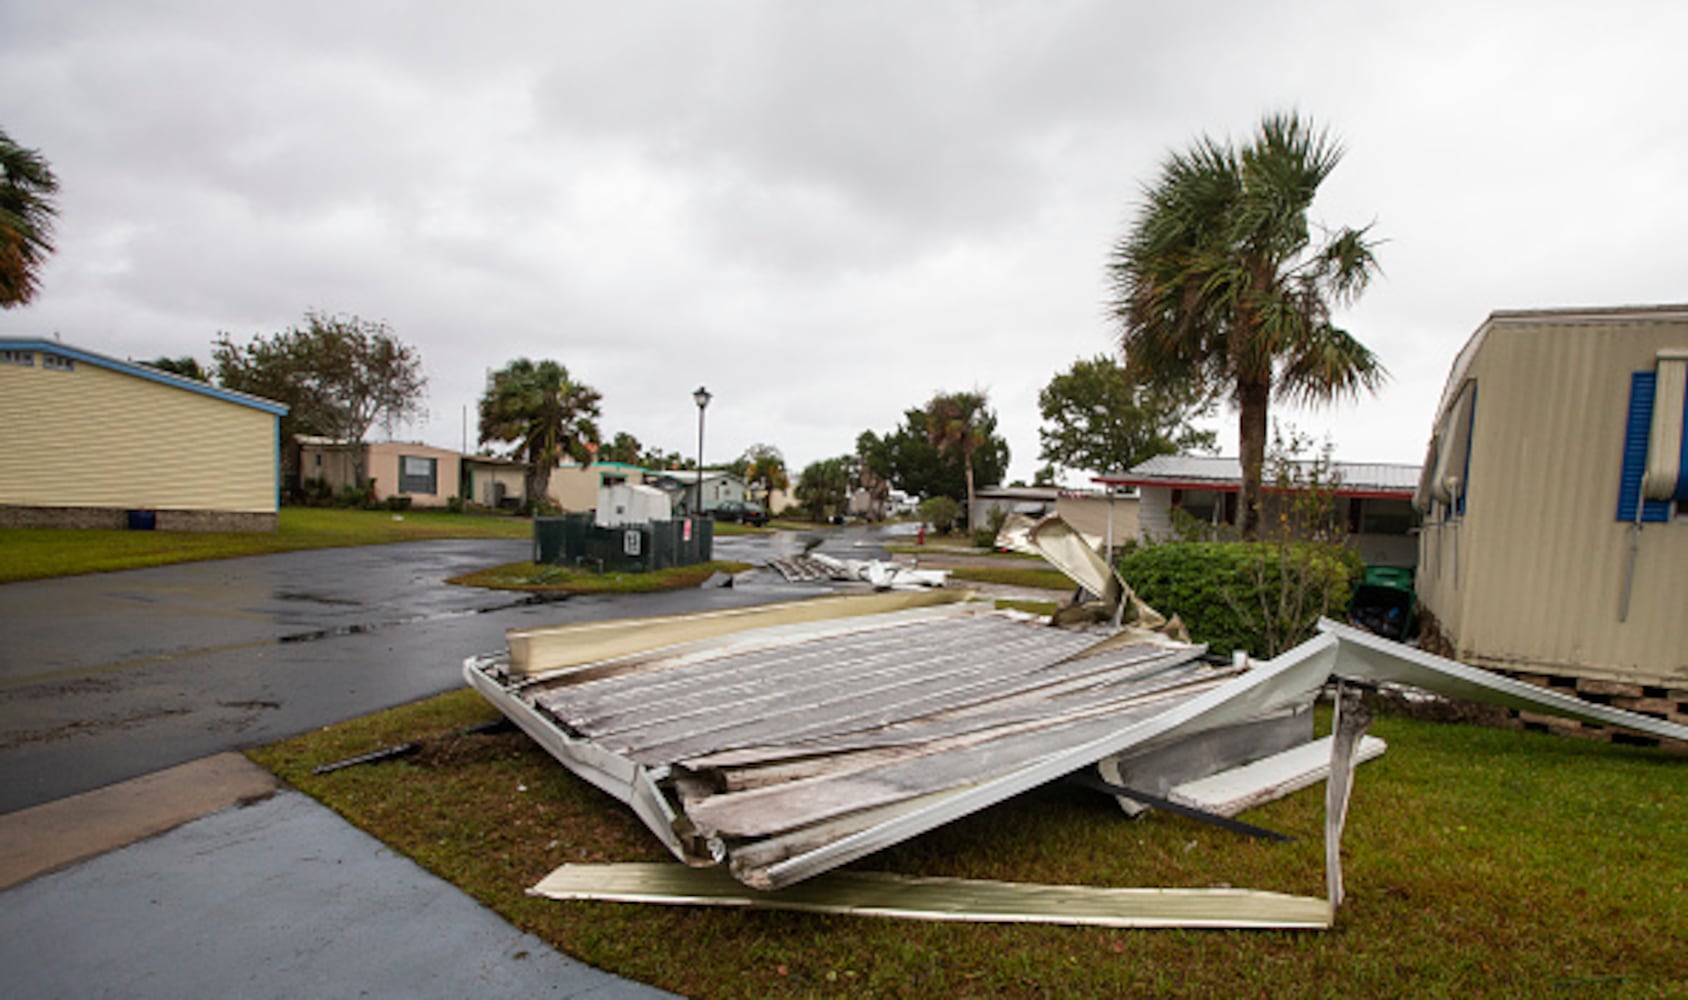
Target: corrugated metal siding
[[1541, 559], [93, 437]]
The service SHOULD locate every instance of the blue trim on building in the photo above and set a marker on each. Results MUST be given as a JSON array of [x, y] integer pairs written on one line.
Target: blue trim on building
[[145, 372], [1681, 493], [277, 463], [1639, 426]]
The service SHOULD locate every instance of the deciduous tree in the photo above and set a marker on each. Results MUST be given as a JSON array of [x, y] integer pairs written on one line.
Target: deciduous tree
[[338, 375], [623, 448], [1096, 419]]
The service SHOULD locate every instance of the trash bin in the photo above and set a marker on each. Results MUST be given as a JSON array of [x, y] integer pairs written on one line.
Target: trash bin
[[1384, 602]]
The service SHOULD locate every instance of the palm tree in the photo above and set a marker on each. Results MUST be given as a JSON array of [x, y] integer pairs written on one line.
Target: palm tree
[[1219, 283], [27, 186], [958, 423], [764, 469], [546, 414]]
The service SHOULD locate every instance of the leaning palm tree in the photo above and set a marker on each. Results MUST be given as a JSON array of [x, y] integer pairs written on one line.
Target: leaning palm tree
[[1218, 282], [547, 416], [27, 186], [958, 423]]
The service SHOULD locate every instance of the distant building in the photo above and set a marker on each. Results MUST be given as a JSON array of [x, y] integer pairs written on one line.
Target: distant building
[[429, 476], [1372, 500], [574, 487], [94, 442], [1555, 500], [719, 486]]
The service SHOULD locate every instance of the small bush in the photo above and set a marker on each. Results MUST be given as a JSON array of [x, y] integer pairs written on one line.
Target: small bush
[[454, 504], [398, 503], [1260, 597], [317, 492], [985, 537], [940, 512], [351, 496]]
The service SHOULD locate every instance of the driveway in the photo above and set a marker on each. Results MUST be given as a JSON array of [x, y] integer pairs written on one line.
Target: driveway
[[111, 676]]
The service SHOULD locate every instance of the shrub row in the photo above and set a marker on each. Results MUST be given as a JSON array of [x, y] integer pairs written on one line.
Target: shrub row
[[1260, 597]]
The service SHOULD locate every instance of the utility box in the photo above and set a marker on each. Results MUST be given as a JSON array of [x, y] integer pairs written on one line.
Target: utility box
[[631, 505]]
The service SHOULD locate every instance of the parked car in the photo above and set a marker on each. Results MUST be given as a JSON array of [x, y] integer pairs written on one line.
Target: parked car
[[740, 511]]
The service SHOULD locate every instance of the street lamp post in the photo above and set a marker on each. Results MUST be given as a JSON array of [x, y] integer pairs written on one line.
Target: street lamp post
[[701, 397]]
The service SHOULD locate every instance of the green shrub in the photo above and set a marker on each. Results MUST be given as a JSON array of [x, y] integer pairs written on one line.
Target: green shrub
[[351, 496], [398, 503], [316, 492], [940, 512], [985, 537], [454, 504], [1260, 597]]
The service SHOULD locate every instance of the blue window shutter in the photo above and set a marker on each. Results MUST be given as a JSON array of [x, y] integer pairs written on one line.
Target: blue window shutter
[[1682, 463], [1641, 388]]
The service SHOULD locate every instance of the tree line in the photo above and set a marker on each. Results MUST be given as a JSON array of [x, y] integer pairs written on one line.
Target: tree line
[[1220, 294]]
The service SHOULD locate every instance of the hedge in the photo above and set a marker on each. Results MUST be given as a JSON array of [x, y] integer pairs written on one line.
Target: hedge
[[1261, 597]]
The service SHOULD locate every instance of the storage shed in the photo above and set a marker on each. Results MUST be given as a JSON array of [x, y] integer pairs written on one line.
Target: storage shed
[[88, 441], [1555, 504]]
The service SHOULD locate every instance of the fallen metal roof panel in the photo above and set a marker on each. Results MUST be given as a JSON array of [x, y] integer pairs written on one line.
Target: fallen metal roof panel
[[784, 751], [768, 748]]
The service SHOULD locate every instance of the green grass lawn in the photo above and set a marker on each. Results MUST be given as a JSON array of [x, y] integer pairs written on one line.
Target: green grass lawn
[[543, 579], [37, 553], [1014, 576], [1479, 862]]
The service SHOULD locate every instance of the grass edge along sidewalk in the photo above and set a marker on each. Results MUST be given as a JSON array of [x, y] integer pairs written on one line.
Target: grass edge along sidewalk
[[43, 553], [1478, 861]]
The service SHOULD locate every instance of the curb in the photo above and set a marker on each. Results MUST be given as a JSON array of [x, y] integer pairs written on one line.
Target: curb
[[53, 835]]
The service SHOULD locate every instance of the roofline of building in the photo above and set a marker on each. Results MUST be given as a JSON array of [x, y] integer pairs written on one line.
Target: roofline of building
[[143, 371], [1232, 486], [1526, 317]]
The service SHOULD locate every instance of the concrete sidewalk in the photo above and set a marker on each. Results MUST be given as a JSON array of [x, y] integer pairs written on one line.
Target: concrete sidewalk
[[264, 894]]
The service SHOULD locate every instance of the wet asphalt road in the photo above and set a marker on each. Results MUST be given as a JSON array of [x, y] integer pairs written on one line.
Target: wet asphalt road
[[111, 676]]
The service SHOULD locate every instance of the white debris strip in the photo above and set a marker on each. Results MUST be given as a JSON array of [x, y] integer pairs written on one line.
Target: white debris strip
[[880, 574]]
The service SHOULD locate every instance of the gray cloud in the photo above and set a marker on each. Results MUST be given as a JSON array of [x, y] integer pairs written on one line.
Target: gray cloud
[[825, 212]]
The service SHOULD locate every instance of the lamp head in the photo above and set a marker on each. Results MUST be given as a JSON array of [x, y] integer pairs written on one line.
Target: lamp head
[[701, 397]]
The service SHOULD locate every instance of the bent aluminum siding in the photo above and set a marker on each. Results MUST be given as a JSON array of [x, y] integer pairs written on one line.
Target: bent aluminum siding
[[1530, 578], [96, 436]]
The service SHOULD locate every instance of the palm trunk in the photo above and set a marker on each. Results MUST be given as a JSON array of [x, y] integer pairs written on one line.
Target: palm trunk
[[1252, 398], [538, 484], [969, 467]]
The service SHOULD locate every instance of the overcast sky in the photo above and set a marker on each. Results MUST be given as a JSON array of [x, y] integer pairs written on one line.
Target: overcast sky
[[823, 211]]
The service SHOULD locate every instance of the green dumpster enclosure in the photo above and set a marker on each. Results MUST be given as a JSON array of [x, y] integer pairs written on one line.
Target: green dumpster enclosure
[[575, 540]]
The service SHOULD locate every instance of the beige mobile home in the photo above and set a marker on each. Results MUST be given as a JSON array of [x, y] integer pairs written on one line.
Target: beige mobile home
[[574, 487], [1555, 503], [94, 442], [429, 476]]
